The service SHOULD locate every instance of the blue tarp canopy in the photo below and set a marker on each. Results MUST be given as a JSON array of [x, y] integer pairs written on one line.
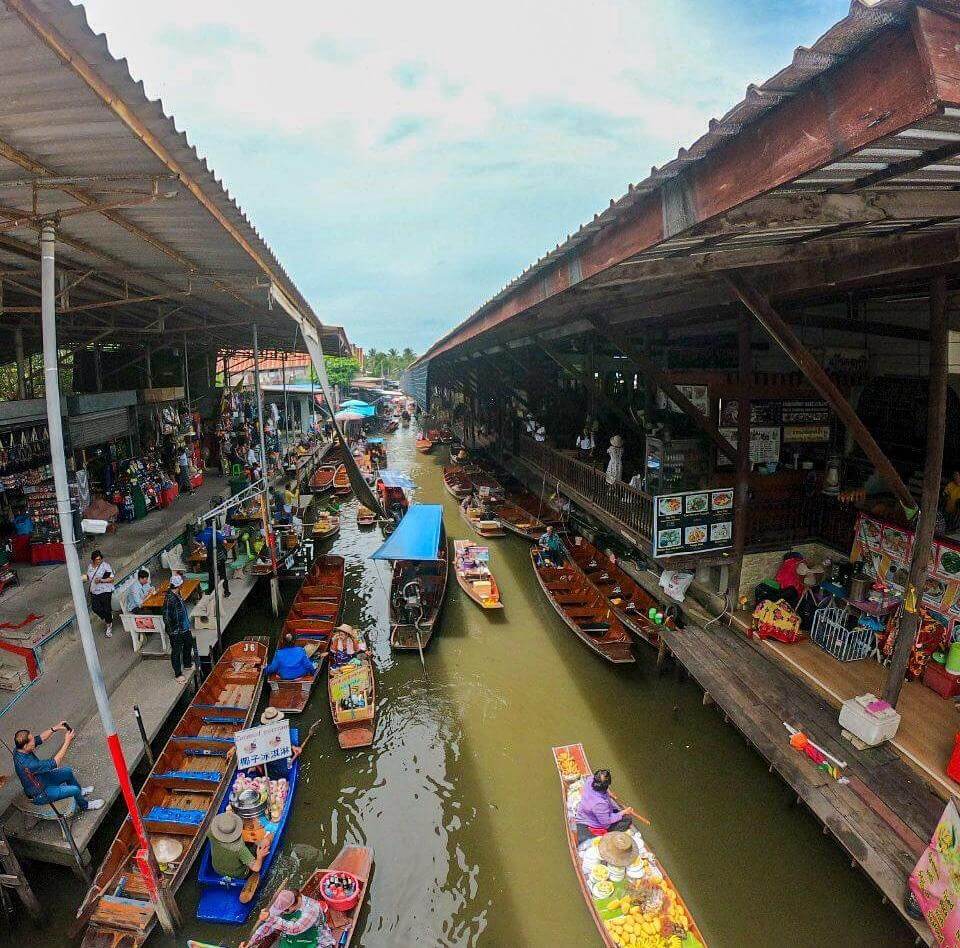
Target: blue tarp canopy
[[417, 537], [374, 440], [396, 479]]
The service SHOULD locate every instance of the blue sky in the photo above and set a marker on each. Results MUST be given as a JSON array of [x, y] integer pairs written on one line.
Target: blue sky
[[405, 161]]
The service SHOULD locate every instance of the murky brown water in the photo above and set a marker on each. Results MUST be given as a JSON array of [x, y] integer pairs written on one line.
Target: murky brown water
[[459, 795]]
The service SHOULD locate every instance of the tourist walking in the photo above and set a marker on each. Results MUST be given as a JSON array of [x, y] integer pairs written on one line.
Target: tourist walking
[[177, 622], [46, 781], [101, 579]]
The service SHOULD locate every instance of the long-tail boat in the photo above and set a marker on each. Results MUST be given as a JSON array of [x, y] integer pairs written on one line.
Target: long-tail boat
[[358, 861], [365, 517], [341, 481], [628, 599], [180, 796], [322, 479], [326, 526], [584, 610], [618, 908], [472, 569], [418, 585], [351, 688], [457, 483], [517, 520]]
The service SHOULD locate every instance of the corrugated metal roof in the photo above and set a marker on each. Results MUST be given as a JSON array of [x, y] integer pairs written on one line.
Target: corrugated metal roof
[[864, 21], [54, 122]]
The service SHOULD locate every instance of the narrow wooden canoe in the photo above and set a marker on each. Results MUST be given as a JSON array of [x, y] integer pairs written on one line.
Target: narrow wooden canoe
[[179, 798], [470, 565], [365, 517], [541, 508], [485, 526], [293, 695], [326, 570], [671, 915], [586, 613], [424, 445], [431, 578], [358, 861], [628, 599], [456, 482], [391, 426], [322, 479], [326, 527], [219, 895], [352, 693], [519, 521], [341, 482]]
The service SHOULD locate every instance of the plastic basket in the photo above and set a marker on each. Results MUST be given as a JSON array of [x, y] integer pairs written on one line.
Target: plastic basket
[[830, 632]]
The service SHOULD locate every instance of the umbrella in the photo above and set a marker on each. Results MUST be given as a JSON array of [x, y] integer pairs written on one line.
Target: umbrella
[[348, 416], [355, 403]]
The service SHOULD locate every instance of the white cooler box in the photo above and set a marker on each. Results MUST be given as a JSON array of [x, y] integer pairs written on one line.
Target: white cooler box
[[871, 727]]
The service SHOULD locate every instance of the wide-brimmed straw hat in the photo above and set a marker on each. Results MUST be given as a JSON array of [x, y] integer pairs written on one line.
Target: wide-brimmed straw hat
[[271, 716], [226, 827], [618, 849], [617, 441]]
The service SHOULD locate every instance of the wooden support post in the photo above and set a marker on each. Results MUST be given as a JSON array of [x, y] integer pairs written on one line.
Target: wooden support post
[[11, 866], [741, 495], [650, 369], [785, 337], [932, 471], [601, 395]]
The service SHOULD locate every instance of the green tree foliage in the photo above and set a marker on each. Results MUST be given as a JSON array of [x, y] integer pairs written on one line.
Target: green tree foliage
[[340, 369], [390, 364]]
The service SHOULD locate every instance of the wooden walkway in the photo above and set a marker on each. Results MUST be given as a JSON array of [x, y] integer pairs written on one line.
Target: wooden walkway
[[757, 696]]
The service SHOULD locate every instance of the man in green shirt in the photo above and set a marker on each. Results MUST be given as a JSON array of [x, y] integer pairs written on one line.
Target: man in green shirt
[[229, 854]]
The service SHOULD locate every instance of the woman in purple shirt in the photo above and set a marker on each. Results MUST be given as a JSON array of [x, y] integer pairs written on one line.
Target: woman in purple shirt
[[597, 813]]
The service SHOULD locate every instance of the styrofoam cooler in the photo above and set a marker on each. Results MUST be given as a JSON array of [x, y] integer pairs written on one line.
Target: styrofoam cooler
[[871, 727]]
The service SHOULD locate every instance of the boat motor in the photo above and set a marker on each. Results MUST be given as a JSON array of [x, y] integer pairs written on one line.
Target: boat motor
[[411, 597]]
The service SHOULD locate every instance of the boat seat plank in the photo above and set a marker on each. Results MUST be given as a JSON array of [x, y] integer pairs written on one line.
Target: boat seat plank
[[208, 776], [159, 814]]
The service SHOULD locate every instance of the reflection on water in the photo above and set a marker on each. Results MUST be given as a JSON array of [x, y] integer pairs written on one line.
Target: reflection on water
[[460, 800]]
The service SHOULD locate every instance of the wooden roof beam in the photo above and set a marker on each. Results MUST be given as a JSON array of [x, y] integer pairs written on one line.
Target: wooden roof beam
[[785, 337]]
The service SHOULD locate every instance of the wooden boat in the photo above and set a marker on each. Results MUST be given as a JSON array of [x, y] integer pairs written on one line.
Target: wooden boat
[[424, 445], [322, 479], [456, 482], [391, 426], [326, 526], [539, 507], [341, 482], [365, 517], [519, 521], [628, 599], [477, 517], [471, 567], [585, 611], [671, 913], [178, 799], [352, 692], [326, 571], [358, 861], [419, 582], [220, 895], [377, 452], [293, 695]]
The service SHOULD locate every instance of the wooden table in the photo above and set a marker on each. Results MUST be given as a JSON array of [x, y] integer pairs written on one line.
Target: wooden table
[[154, 602]]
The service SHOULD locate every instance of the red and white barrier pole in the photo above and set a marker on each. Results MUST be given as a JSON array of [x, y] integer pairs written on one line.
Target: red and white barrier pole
[[51, 376]]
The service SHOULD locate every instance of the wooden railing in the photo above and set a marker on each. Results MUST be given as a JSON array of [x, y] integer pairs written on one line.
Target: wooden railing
[[629, 506]]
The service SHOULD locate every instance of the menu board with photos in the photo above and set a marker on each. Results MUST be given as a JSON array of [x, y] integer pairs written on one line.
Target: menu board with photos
[[692, 522]]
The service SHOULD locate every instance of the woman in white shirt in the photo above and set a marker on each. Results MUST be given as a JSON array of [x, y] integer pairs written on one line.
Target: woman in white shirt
[[100, 576]]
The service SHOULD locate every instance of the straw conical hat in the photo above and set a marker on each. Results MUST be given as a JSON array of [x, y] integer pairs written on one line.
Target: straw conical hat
[[226, 827], [618, 849]]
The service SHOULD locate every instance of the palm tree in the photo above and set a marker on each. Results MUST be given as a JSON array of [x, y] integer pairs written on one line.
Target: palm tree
[[407, 357]]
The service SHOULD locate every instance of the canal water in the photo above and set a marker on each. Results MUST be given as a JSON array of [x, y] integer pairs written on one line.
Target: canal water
[[460, 799]]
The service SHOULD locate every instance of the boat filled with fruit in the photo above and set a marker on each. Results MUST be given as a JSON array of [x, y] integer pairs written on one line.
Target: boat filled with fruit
[[628, 892]]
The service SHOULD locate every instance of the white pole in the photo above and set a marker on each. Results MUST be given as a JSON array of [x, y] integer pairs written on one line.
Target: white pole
[[21, 367], [58, 463]]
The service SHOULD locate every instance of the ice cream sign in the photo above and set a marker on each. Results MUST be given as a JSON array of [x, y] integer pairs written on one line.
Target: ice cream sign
[[935, 881]]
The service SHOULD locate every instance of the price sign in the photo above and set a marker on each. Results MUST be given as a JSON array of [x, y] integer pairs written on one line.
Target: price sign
[[261, 745]]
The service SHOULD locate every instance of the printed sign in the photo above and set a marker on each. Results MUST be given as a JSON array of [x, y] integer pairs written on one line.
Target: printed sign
[[764, 445], [935, 881], [260, 745], [806, 434], [692, 522]]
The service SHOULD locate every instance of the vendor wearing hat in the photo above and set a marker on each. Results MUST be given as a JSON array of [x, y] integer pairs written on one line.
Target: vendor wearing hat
[[297, 919], [597, 814], [229, 854], [278, 768]]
